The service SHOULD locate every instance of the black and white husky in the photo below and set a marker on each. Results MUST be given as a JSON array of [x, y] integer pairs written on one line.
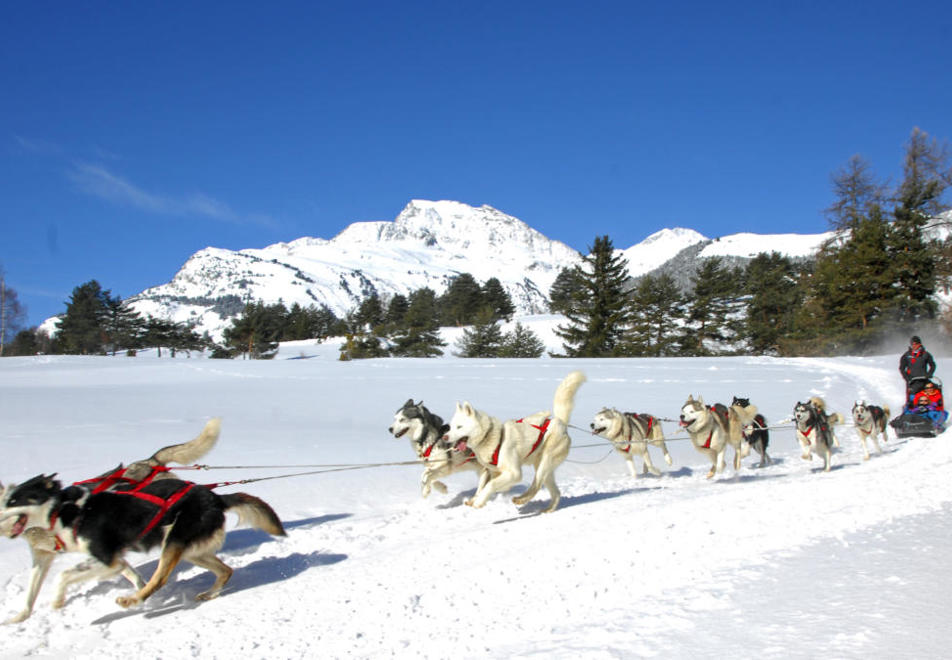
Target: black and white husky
[[815, 431], [503, 448], [870, 422], [755, 430], [631, 433], [425, 432], [186, 520], [44, 543]]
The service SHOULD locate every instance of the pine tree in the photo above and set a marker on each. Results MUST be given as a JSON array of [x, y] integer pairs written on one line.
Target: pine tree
[[80, 330], [565, 289], [710, 306], [397, 311], [772, 285], [122, 325], [926, 175], [497, 298], [370, 313], [462, 301], [857, 191], [12, 314], [483, 339], [598, 314], [658, 313], [521, 342], [419, 336]]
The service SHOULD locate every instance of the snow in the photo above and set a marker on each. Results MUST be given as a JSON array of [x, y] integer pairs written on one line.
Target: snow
[[781, 562], [750, 245], [660, 247]]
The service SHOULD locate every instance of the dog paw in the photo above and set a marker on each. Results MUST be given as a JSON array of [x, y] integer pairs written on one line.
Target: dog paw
[[58, 603], [468, 501], [667, 458], [710, 475], [440, 486], [519, 500], [20, 618], [127, 601], [207, 595]]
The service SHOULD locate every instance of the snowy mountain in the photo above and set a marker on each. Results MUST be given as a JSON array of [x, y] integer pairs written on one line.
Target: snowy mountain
[[427, 245]]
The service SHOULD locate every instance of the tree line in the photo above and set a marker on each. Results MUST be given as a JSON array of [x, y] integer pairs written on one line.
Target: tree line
[[875, 278]]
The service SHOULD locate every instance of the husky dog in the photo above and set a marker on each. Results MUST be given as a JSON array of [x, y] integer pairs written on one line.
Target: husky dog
[[711, 432], [425, 431], [820, 405], [754, 428], [186, 520], [870, 421], [815, 431], [504, 447], [631, 434], [45, 545]]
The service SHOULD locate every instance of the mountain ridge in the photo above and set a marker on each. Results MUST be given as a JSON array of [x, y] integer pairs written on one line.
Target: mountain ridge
[[426, 245]]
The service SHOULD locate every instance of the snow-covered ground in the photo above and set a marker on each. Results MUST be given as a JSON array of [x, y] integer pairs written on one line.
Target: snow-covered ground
[[780, 562]]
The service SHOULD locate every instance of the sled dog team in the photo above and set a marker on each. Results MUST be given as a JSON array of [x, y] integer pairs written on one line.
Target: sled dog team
[[497, 450], [143, 505]]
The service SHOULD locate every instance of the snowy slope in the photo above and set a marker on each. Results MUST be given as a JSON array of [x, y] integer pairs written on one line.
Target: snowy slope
[[780, 562]]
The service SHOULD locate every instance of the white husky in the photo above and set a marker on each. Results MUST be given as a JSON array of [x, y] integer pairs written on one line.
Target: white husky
[[504, 447], [631, 434]]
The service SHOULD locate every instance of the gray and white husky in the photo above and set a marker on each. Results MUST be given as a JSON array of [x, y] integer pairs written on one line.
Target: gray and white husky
[[631, 433], [45, 545], [870, 422], [713, 428], [425, 432], [540, 439]]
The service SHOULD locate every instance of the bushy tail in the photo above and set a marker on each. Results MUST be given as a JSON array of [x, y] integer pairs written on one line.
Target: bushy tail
[[564, 401], [191, 451], [255, 512]]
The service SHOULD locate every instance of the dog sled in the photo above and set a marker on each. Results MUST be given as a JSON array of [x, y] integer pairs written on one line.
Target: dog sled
[[923, 415]]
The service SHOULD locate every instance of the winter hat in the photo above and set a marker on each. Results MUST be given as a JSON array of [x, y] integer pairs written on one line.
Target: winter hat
[[915, 340]]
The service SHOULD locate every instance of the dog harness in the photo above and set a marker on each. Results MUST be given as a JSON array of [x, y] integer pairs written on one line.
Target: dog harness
[[636, 417], [163, 504], [542, 429]]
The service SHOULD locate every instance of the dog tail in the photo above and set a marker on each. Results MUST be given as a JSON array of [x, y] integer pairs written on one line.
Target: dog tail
[[886, 412], [835, 418], [191, 451], [564, 401], [255, 512]]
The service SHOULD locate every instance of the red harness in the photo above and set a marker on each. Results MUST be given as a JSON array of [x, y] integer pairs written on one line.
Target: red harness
[[163, 504], [647, 431], [542, 429]]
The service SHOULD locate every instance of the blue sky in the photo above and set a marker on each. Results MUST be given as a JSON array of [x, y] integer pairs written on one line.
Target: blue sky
[[134, 134]]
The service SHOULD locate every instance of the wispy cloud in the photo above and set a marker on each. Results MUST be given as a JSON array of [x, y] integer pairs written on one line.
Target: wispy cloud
[[38, 147], [96, 180]]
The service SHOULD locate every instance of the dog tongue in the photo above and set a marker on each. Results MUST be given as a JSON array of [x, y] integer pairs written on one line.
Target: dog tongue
[[18, 527], [460, 446]]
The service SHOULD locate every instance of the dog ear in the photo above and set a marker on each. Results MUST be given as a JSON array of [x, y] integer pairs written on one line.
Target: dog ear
[[700, 400], [444, 429], [408, 404]]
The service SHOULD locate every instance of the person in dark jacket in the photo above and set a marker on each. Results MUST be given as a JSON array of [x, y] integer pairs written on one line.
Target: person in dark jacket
[[916, 365]]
